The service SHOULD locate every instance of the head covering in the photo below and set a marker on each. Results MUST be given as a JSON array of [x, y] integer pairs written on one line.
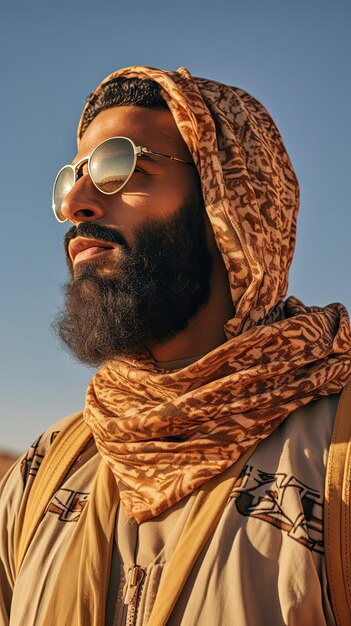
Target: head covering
[[164, 434], [249, 187]]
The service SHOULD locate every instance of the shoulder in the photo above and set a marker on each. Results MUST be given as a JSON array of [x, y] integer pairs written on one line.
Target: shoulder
[[299, 447], [17, 482], [28, 465], [313, 422], [14, 489], [315, 419], [282, 485]]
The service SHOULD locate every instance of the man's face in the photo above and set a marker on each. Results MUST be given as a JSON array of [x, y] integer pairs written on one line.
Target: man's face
[[158, 186], [153, 274]]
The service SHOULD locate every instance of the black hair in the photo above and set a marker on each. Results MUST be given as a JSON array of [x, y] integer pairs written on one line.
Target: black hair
[[121, 91]]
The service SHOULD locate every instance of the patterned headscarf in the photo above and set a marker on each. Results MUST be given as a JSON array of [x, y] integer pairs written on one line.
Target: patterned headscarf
[[163, 434]]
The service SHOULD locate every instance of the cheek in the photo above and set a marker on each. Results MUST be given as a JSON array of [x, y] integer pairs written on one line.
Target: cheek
[[179, 190], [154, 201], [156, 196]]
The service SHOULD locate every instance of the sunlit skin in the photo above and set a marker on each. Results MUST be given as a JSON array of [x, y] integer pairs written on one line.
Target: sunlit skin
[[156, 190]]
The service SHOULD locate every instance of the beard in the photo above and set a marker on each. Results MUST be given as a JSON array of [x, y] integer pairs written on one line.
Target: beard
[[160, 283]]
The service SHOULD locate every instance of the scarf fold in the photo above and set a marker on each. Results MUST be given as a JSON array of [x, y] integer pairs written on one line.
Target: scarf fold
[[164, 434]]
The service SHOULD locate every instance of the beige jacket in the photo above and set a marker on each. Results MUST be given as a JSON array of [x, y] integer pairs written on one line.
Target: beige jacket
[[264, 564]]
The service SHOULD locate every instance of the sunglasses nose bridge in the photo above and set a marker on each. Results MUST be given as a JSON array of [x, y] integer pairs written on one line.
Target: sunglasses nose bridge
[[78, 167]]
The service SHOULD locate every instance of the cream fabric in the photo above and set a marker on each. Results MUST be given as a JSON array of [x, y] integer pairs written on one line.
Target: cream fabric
[[263, 565]]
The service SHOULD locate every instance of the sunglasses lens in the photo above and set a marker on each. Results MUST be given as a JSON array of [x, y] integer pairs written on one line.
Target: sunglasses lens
[[63, 184], [112, 163]]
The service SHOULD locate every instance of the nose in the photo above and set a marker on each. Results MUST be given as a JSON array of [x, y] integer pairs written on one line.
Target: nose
[[84, 203]]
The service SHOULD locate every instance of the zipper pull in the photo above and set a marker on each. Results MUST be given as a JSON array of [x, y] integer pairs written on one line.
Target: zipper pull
[[132, 585]]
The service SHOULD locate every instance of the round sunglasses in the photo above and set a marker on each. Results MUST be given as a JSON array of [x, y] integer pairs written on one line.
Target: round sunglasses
[[110, 166]]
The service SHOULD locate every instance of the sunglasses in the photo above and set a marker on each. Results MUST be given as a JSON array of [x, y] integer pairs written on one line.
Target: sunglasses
[[110, 165]]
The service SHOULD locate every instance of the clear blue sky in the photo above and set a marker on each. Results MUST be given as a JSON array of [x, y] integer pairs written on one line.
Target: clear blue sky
[[293, 56]]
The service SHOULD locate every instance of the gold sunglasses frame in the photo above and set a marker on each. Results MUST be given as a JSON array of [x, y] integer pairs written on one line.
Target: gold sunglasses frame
[[139, 151]]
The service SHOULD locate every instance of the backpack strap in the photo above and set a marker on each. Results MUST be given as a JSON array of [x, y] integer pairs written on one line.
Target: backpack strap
[[57, 461], [203, 519], [337, 512]]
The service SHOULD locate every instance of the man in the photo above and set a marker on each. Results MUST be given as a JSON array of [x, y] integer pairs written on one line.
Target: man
[[182, 203]]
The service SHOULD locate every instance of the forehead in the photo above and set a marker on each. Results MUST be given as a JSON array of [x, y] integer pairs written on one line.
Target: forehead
[[153, 128]]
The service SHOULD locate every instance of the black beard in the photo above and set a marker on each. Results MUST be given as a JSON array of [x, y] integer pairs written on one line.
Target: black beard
[[161, 283]]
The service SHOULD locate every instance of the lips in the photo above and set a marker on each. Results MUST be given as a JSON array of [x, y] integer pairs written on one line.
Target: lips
[[85, 248]]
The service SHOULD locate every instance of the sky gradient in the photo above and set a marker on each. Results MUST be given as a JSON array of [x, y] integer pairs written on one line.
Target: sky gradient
[[293, 56]]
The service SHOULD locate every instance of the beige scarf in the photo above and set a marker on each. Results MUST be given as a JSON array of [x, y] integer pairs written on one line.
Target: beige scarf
[[164, 434]]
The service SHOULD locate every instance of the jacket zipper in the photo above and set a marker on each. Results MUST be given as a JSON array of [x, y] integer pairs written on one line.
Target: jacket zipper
[[135, 577]]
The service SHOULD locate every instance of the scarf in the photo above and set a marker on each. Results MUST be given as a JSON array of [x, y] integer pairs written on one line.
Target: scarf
[[164, 434]]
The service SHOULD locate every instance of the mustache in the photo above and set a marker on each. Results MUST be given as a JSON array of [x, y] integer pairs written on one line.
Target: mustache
[[90, 230]]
